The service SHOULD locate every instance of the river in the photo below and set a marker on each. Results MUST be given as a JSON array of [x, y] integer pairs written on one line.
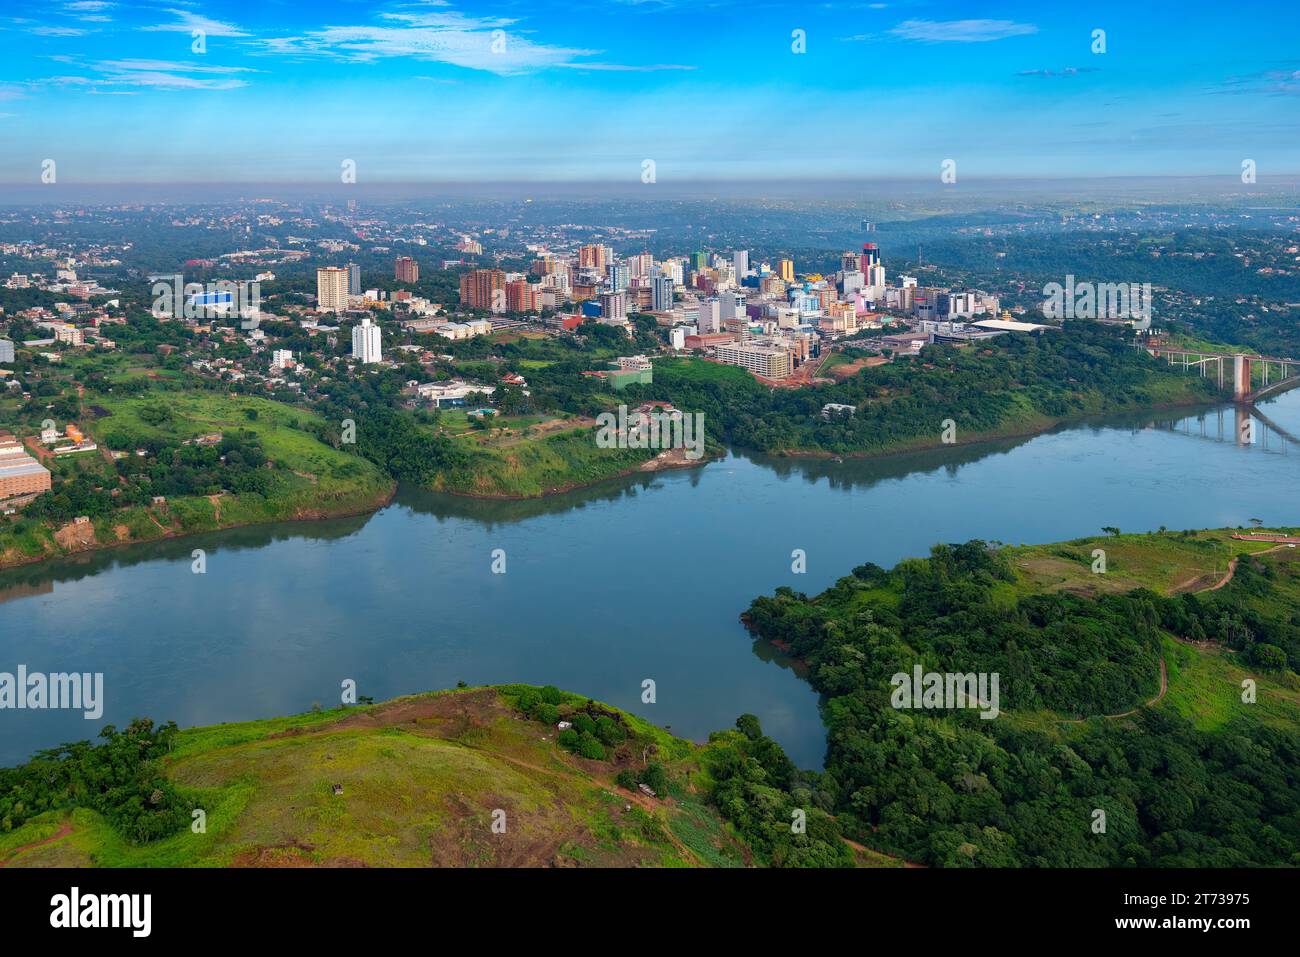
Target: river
[[603, 588]]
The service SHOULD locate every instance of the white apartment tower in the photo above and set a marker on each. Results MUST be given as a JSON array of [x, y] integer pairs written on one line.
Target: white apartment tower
[[366, 341]]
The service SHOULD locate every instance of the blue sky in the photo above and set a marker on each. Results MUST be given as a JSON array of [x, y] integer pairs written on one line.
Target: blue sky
[[285, 91]]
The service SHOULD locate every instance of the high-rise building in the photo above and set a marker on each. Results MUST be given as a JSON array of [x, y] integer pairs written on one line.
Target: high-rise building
[[523, 296], [6, 351], [617, 277], [367, 342], [740, 263], [354, 279], [786, 269], [699, 260], [661, 292], [640, 265], [406, 269], [710, 317], [731, 306], [331, 289], [484, 289], [613, 306], [593, 256], [870, 257]]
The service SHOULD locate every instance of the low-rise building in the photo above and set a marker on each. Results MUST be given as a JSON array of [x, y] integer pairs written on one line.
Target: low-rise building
[[768, 362], [22, 478], [453, 392]]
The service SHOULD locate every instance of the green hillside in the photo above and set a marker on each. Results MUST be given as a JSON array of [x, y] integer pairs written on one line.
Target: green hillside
[[421, 778], [1159, 697], [268, 466]]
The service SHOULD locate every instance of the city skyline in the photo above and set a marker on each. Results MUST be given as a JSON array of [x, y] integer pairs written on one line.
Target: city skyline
[[461, 92]]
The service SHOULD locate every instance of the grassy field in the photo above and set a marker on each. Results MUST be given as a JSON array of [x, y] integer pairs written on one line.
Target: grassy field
[[1164, 562], [538, 458], [312, 480], [422, 779], [1204, 680], [701, 370]]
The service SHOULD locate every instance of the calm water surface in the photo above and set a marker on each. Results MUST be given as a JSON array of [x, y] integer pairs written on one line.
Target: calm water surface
[[642, 578]]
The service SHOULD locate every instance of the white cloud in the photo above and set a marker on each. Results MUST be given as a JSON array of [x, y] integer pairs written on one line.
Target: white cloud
[[475, 43], [189, 22], [961, 31], [627, 68], [169, 66], [88, 11], [156, 74]]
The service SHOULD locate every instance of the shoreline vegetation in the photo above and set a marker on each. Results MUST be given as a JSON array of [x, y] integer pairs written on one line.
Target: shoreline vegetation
[[219, 461], [1149, 708], [1021, 431], [205, 463], [464, 484], [1119, 693]]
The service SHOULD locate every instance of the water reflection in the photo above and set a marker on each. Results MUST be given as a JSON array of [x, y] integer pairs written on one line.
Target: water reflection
[[643, 576]]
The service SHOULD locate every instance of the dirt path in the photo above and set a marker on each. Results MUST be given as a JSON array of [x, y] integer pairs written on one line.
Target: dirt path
[[1164, 687], [863, 849], [1232, 570], [64, 830], [1164, 674]]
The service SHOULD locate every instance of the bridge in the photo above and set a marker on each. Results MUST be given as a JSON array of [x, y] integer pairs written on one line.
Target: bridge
[[1251, 378]]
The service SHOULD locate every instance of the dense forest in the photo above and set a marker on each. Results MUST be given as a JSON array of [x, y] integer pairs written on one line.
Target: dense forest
[[121, 778], [1008, 383], [946, 788]]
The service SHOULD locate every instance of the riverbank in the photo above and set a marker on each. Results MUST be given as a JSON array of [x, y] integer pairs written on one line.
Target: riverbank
[[284, 471], [1023, 429], [530, 470], [537, 465], [69, 540], [666, 461]]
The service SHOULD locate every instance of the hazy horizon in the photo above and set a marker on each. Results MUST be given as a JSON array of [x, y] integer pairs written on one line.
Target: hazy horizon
[[458, 91]]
